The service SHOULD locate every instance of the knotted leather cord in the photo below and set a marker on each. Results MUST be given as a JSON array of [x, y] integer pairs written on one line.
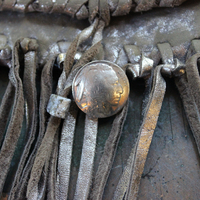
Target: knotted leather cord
[[43, 154], [65, 153], [20, 183], [188, 85], [108, 156], [129, 183], [15, 124]]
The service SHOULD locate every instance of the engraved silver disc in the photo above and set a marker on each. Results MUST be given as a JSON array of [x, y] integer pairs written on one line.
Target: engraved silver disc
[[100, 89]]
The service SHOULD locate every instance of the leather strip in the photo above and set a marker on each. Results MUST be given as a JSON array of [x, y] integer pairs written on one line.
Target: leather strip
[[65, 153], [113, 4], [30, 98], [20, 183], [104, 11], [51, 180], [42, 6], [73, 6], [124, 180], [8, 5], [5, 56], [188, 86], [82, 13], [144, 5], [93, 6], [59, 6], [86, 57], [128, 185], [6, 106], [43, 153], [123, 8], [146, 132], [193, 78], [42, 156], [87, 160], [107, 158], [15, 124]]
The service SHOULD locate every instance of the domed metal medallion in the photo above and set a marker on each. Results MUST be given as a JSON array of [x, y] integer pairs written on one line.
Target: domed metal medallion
[[100, 89]]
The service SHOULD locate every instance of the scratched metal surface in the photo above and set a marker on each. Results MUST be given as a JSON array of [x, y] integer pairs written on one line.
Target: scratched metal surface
[[172, 169]]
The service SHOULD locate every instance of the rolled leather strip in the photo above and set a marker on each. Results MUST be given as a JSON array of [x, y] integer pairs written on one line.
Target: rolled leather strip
[[15, 124], [107, 158], [58, 106]]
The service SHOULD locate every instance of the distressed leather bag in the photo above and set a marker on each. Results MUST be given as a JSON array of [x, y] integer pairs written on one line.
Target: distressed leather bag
[[50, 149]]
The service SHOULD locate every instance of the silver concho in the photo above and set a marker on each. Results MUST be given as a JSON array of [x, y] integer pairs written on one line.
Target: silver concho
[[100, 89]]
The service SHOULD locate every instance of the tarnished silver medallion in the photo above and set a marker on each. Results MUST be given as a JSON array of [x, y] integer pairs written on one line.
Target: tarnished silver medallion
[[100, 89]]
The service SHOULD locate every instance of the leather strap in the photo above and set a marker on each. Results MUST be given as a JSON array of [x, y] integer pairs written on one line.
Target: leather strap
[[15, 124], [87, 159], [63, 89], [146, 132], [6, 105], [128, 185], [65, 153], [108, 156], [188, 86], [19, 186], [51, 179]]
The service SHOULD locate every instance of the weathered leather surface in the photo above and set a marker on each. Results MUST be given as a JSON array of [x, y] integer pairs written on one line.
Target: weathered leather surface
[[172, 170]]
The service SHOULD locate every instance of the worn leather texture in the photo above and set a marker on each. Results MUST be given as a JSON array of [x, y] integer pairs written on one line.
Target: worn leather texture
[[172, 169]]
